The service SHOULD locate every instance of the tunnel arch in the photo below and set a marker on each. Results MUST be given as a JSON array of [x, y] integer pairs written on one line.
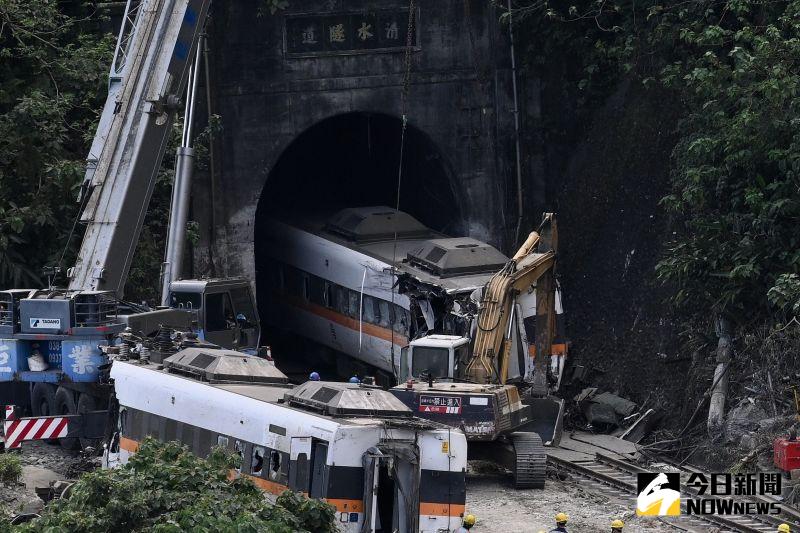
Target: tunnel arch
[[352, 159]]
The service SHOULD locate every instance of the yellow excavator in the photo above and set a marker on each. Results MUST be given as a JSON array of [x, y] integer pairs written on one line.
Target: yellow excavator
[[499, 386]]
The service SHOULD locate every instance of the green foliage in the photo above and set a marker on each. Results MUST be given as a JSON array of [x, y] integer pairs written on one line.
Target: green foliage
[[734, 66], [166, 489], [10, 468], [52, 85]]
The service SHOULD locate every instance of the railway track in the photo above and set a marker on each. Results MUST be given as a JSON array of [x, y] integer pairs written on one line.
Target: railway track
[[617, 480]]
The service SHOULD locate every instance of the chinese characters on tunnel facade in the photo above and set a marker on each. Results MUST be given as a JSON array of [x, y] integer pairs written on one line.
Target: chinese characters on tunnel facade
[[347, 33]]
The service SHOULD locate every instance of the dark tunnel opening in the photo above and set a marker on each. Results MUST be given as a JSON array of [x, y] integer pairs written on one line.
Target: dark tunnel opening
[[351, 160]]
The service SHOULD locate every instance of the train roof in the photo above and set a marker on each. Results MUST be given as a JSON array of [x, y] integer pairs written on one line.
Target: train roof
[[456, 264], [258, 379]]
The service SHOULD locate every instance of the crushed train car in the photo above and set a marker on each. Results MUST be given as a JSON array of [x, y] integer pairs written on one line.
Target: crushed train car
[[368, 280]]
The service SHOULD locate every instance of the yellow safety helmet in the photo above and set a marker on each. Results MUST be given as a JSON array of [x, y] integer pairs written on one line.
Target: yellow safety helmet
[[617, 524], [784, 528], [469, 520], [561, 517]]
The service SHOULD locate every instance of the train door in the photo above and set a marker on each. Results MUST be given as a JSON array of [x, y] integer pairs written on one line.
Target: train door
[[319, 474], [300, 459], [392, 471]]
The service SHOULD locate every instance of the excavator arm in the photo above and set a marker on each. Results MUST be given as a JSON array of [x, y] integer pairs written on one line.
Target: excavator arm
[[534, 263]]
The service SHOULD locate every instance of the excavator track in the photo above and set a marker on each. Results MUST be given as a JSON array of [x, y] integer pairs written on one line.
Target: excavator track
[[530, 465]]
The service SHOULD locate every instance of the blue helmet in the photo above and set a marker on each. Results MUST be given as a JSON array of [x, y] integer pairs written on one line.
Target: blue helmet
[[314, 376], [355, 379]]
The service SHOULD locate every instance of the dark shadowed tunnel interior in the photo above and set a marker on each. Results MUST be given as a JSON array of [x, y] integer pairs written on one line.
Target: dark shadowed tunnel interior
[[353, 160]]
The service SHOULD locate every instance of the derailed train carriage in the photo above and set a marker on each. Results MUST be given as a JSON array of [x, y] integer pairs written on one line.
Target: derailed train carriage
[[354, 446], [368, 280]]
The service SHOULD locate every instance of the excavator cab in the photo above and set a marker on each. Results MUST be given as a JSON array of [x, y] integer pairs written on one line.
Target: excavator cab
[[436, 356], [226, 311]]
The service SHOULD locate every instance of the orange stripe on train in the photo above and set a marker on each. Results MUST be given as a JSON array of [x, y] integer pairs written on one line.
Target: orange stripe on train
[[343, 320]]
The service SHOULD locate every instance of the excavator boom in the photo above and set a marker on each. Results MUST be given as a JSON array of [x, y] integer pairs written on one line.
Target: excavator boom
[[534, 263]]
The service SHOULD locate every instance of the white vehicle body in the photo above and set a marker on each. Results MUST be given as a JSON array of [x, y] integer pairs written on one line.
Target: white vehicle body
[[286, 447], [368, 299]]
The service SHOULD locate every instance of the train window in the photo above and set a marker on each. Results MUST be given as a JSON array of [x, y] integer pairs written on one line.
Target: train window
[[400, 320], [187, 436], [355, 304], [274, 464], [219, 312], [238, 449], [369, 310], [306, 286], [383, 317], [153, 425], [342, 302], [222, 441], [257, 464], [316, 292], [170, 430], [328, 296]]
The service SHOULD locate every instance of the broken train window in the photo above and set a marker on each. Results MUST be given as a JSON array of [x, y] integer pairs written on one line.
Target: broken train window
[[257, 464], [274, 464]]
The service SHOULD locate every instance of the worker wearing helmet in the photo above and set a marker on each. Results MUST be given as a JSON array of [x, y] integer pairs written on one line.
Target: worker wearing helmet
[[466, 524], [314, 376], [561, 523], [784, 528], [617, 525], [355, 379]]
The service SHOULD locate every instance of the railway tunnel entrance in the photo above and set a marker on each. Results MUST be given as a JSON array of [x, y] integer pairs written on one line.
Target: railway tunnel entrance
[[353, 160], [349, 160]]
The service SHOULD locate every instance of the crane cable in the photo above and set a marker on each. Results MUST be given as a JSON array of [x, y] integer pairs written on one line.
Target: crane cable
[[404, 115]]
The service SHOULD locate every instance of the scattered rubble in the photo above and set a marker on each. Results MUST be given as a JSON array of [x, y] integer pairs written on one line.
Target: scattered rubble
[[609, 413], [43, 465]]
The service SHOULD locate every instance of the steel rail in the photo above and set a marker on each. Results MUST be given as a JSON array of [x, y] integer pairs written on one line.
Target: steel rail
[[619, 477]]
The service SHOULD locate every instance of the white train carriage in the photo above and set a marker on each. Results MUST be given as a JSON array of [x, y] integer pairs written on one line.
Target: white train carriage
[[348, 284], [333, 281], [356, 447]]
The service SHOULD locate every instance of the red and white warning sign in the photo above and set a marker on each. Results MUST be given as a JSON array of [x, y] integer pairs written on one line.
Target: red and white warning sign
[[16, 430], [449, 405]]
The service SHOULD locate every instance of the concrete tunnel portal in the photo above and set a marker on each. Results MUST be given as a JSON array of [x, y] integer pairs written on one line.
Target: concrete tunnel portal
[[352, 160]]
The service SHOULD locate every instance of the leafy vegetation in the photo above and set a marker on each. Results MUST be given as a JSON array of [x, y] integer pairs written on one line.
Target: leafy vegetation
[[53, 66], [166, 489], [54, 60], [10, 468], [734, 68]]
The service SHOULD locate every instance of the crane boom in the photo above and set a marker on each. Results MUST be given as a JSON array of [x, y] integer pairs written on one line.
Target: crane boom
[[148, 75]]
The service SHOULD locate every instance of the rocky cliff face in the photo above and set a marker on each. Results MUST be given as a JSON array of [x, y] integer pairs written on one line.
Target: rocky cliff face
[[606, 175]]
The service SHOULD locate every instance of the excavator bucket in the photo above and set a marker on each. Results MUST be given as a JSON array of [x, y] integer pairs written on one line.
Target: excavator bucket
[[546, 419]]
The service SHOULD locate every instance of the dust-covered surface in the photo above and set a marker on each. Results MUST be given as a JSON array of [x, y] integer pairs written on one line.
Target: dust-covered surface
[[500, 508], [41, 464]]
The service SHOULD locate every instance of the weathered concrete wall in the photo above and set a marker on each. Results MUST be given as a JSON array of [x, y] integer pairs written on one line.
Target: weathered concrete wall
[[460, 97]]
